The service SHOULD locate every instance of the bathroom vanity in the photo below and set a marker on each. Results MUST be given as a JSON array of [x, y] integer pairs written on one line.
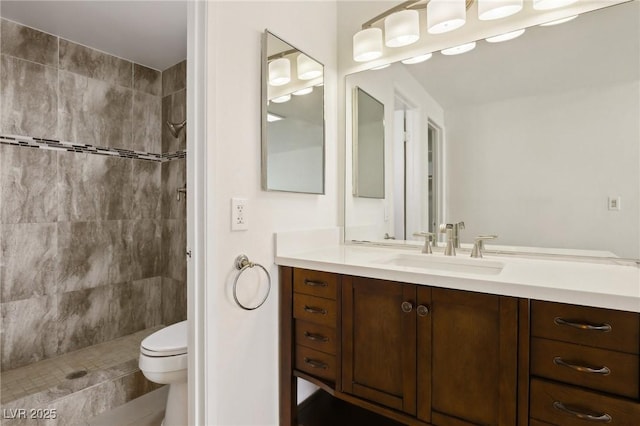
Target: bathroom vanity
[[426, 340]]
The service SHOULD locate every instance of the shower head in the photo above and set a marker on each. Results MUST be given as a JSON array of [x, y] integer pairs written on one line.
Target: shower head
[[176, 128]]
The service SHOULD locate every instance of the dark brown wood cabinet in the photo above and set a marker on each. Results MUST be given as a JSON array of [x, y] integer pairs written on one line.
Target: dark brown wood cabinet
[[585, 365], [423, 355]]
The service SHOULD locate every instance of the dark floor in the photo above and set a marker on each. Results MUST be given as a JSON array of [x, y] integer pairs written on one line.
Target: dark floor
[[325, 410]]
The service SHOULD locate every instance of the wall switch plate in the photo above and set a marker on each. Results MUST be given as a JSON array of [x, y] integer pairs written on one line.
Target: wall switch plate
[[614, 203], [239, 214]]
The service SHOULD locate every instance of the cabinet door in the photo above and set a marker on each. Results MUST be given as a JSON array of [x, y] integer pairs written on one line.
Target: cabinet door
[[473, 358], [379, 342]]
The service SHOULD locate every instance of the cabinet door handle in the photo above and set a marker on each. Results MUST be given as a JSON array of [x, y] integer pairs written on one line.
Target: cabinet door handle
[[422, 310], [406, 307], [597, 418], [314, 310], [604, 327], [316, 337], [604, 370], [312, 283], [315, 364]]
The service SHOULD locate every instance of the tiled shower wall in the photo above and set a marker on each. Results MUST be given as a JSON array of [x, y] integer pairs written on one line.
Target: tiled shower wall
[[91, 246]]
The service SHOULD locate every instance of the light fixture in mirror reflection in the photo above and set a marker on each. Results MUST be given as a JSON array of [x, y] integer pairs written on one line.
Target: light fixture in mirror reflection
[[292, 119], [528, 139]]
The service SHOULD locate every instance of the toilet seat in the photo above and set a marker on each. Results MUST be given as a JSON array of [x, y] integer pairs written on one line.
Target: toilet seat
[[167, 342]]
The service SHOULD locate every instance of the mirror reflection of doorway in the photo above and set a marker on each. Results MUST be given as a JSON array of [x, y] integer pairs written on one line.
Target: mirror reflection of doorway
[[417, 171]]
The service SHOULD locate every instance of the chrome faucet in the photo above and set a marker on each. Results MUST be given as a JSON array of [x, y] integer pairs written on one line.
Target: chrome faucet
[[457, 227], [478, 246], [427, 240], [450, 249]]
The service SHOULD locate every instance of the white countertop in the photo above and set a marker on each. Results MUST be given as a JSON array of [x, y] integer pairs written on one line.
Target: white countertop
[[598, 284]]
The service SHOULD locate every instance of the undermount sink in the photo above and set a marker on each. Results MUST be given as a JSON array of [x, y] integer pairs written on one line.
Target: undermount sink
[[440, 263]]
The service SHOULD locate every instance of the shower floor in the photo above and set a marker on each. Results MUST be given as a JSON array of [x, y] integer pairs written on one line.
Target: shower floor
[[50, 373]]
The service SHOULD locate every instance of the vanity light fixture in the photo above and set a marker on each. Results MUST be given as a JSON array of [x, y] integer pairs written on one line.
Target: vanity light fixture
[[445, 15], [506, 36], [401, 28], [271, 117], [559, 21], [281, 99], [417, 59], [308, 69], [279, 72], [304, 91], [367, 44], [551, 4], [496, 9], [380, 67], [457, 50]]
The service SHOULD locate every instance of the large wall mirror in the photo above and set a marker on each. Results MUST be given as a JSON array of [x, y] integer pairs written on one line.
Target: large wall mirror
[[292, 119], [535, 139]]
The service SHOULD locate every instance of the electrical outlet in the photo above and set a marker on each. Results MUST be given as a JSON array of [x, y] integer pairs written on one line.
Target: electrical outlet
[[614, 203], [239, 214]]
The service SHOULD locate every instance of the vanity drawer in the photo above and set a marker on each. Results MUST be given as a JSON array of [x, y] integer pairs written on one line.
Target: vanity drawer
[[316, 336], [314, 309], [613, 372], [601, 328], [315, 283], [316, 363], [562, 405]]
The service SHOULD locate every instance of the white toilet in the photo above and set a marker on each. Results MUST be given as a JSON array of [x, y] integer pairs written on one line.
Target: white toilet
[[163, 359]]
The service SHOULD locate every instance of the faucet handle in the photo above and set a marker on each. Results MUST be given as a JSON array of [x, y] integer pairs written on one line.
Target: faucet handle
[[428, 236], [478, 245], [443, 227]]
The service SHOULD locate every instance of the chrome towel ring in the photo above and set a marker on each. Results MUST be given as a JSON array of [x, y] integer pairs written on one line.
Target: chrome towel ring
[[243, 263]]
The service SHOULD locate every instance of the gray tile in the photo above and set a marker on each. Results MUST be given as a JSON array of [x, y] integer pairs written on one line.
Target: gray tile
[[28, 43], [94, 112], [147, 80], [28, 331], [92, 187], [174, 301], [28, 98], [147, 122], [174, 245], [93, 254], [28, 254], [26, 190], [147, 298], [147, 176], [84, 318], [95, 64], [173, 177], [174, 110], [146, 243], [174, 78]]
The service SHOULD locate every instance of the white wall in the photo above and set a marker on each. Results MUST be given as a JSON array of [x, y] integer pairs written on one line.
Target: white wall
[[575, 154], [241, 346]]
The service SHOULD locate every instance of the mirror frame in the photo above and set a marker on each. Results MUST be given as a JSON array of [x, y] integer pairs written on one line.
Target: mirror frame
[[263, 116]]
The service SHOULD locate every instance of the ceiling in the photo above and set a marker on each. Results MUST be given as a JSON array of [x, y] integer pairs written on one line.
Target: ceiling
[[152, 33], [600, 47]]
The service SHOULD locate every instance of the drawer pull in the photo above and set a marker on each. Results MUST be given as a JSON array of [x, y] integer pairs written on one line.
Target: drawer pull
[[604, 370], [605, 328], [315, 364], [316, 337], [313, 310], [406, 307], [311, 283], [597, 418]]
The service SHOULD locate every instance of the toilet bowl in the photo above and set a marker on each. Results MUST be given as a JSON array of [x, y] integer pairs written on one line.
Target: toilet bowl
[[163, 359]]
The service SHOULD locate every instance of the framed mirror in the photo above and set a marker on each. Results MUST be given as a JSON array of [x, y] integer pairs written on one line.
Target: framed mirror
[[533, 139], [293, 130], [368, 145]]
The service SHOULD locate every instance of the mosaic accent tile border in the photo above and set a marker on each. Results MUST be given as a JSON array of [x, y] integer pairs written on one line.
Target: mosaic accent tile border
[[55, 145]]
